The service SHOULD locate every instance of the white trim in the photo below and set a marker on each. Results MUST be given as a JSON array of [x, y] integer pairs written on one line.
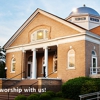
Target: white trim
[[50, 42], [94, 56], [95, 67], [67, 39], [30, 70]]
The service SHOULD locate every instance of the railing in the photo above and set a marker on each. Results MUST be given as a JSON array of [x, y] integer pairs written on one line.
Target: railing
[[6, 81], [90, 96], [94, 70], [21, 86]]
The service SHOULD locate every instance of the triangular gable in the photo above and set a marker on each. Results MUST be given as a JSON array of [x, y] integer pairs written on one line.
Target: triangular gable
[[17, 33]]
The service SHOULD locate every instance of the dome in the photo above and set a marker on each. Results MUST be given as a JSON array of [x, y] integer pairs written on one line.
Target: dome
[[84, 10]]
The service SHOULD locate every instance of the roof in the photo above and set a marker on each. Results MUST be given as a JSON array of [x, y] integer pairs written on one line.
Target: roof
[[96, 30], [52, 16], [84, 10]]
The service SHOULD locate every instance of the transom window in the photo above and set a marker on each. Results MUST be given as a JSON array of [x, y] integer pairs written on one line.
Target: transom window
[[13, 64], [71, 59], [39, 35], [94, 53]]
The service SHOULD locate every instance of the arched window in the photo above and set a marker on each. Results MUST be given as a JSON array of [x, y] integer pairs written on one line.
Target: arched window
[[71, 59], [13, 64], [55, 63], [41, 34]]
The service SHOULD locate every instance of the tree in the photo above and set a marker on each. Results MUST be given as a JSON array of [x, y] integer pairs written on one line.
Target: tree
[[2, 63], [2, 54]]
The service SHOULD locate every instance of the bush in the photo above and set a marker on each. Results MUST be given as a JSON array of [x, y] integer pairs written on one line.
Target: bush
[[89, 86], [59, 94], [45, 96], [20, 97], [57, 98], [72, 88], [33, 97], [51, 93]]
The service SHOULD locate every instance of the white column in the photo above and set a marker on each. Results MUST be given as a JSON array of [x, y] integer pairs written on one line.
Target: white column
[[34, 67], [46, 60]]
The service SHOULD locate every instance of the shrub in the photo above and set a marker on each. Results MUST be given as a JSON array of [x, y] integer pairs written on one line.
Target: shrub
[[20, 97], [45, 96], [72, 88], [51, 93], [59, 94], [88, 87], [57, 98], [33, 97]]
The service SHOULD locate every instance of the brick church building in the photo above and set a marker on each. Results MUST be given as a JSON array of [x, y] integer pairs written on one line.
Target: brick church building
[[47, 46]]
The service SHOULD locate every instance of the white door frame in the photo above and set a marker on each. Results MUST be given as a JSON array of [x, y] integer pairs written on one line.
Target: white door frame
[[94, 71], [30, 70]]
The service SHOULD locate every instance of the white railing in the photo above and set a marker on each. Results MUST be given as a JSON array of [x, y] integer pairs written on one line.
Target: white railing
[[94, 70], [90, 96]]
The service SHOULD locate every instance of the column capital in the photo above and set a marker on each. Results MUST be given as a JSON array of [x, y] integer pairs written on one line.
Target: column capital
[[45, 47], [23, 51], [33, 49]]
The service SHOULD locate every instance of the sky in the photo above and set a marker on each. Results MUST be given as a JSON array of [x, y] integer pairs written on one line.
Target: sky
[[13, 13]]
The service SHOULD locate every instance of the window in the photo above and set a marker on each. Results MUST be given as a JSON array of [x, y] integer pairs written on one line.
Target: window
[[13, 64], [81, 18], [71, 59], [55, 63], [94, 19], [94, 62], [39, 35]]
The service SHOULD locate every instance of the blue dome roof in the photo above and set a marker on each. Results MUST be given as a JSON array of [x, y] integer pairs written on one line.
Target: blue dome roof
[[84, 10]]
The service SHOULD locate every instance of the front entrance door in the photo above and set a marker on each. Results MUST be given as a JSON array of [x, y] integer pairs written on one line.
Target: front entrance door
[[94, 65], [44, 74], [29, 69]]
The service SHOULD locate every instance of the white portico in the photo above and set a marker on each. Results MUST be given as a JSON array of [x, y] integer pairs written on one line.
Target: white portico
[[34, 65]]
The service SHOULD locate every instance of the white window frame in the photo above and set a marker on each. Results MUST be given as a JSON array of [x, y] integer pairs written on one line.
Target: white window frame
[[54, 59], [94, 57], [12, 62], [68, 59], [34, 35], [43, 63]]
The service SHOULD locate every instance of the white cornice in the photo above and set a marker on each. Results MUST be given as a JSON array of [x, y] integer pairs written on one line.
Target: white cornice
[[52, 42], [88, 36]]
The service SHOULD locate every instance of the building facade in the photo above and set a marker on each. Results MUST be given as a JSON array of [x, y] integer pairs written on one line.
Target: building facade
[[51, 47]]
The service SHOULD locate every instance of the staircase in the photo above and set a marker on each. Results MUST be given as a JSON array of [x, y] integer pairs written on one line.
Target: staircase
[[19, 86]]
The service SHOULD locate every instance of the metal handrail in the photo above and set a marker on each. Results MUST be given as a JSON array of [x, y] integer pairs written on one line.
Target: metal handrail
[[89, 96], [95, 70], [11, 79], [22, 85]]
